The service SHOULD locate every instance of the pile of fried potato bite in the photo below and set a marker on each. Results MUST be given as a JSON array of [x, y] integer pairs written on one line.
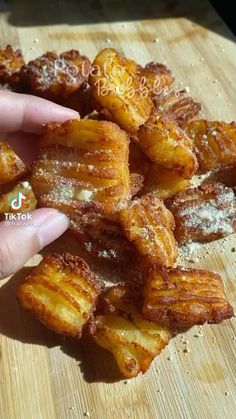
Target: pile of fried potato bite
[[123, 175]]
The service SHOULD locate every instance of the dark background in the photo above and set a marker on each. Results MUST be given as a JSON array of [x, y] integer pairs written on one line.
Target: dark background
[[226, 9], [26, 13]]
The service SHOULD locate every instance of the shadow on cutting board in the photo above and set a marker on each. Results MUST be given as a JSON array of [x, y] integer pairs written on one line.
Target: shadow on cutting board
[[25, 13], [15, 322], [96, 364]]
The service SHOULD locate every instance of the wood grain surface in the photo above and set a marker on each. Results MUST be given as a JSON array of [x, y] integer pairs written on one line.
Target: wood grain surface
[[44, 376]]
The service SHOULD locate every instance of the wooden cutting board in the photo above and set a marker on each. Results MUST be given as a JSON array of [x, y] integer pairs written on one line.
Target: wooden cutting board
[[45, 376]]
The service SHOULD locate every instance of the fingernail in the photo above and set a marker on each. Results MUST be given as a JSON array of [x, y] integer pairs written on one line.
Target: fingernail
[[50, 224]]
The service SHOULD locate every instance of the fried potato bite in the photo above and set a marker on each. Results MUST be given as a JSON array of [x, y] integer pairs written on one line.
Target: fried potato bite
[[180, 106], [215, 143], [61, 292], [55, 77], [116, 86], [184, 297], [105, 239], [11, 166], [164, 183], [28, 204], [83, 169], [148, 224], [167, 145], [156, 77], [203, 214], [11, 62], [122, 330]]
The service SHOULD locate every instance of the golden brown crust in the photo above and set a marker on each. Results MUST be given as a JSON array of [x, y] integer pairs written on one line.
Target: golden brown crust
[[180, 106], [54, 76], [163, 182], [121, 329], [116, 86], [11, 61], [148, 225], [11, 166], [156, 78], [203, 214], [88, 170], [83, 168], [61, 292], [215, 143], [167, 145], [184, 297]]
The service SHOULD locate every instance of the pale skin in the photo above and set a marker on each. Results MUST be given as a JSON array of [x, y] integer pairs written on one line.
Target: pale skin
[[21, 121]]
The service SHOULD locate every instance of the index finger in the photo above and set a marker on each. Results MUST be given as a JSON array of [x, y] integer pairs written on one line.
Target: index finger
[[20, 112]]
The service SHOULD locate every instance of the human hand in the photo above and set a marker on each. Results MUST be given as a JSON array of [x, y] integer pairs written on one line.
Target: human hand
[[21, 120]]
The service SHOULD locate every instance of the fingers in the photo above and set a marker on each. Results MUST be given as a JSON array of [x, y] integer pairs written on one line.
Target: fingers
[[19, 112], [18, 243]]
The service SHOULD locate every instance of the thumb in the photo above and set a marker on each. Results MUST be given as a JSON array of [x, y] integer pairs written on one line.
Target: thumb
[[20, 240]]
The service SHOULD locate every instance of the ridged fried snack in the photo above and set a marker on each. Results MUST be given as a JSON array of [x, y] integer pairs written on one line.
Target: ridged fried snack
[[167, 145], [184, 297], [122, 330], [215, 143], [116, 86], [11, 166], [11, 61], [105, 239], [28, 204], [61, 292], [55, 77], [156, 77], [203, 214], [148, 224], [83, 169], [176, 103], [163, 182]]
